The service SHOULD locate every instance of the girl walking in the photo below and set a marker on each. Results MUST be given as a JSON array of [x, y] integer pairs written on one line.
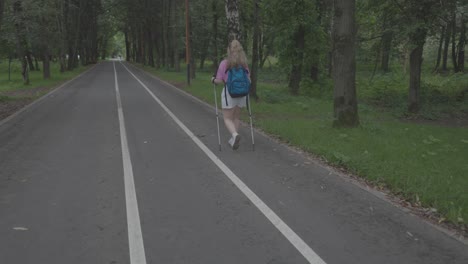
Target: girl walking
[[232, 106]]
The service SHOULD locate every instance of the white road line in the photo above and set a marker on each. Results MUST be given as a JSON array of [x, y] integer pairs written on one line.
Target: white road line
[[135, 237], [293, 238]]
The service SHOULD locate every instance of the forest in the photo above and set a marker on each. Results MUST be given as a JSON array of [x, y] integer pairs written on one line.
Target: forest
[[321, 65]]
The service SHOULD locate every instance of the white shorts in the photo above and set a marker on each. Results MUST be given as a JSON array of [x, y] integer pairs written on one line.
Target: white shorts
[[231, 102]]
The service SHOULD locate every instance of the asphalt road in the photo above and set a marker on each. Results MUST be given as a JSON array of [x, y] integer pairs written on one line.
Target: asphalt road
[[119, 167]]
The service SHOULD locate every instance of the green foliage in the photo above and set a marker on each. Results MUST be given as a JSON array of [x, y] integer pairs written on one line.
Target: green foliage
[[321, 89], [284, 25]]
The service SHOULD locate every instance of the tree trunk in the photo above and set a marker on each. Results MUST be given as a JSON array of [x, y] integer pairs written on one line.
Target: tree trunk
[[104, 49], [71, 58], [60, 22], [193, 65], [263, 53], [214, 9], [261, 62], [448, 34], [386, 48], [297, 61], [439, 50], [46, 65], [36, 62], [461, 46], [255, 54], [135, 47], [30, 61], [203, 53], [175, 43], [454, 45], [2, 4], [142, 46], [314, 73], [386, 44], [344, 64], [9, 67], [150, 46], [127, 47], [21, 40], [165, 36], [418, 38], [233, 24], [157, 46]]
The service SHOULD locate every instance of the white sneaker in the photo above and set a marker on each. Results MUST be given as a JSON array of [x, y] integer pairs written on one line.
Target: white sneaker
[[231, 142], [236, 140]]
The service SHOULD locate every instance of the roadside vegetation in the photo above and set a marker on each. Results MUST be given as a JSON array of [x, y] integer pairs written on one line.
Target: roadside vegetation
[[13, 88]]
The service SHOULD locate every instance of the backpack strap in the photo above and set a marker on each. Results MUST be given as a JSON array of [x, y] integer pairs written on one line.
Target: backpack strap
[[238, 66]]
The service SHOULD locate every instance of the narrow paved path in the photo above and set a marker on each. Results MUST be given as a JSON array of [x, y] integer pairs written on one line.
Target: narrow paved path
[[119, 167]]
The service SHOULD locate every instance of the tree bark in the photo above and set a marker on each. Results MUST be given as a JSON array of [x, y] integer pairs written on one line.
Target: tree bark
[[46, 64], [418, 39], [439, 50], [2, 5], [295, 76], [454, 45], [214, 40], [193, 65], [142, 36], [344, 64], [21, 40], [60, 22], [127, 47], [255, 53], [165, 36], [448, 34], [175, 43], [386, 44], [461, 46], [233, 23], [314, 73], [36, 62], [386, 48], [150, 46], [30, 61]]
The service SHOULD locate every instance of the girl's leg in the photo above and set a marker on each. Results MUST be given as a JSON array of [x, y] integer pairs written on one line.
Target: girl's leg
[[228, 115], [236, 117]]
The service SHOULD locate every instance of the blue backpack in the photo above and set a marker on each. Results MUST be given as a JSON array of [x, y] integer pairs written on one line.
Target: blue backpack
[[238, 83]]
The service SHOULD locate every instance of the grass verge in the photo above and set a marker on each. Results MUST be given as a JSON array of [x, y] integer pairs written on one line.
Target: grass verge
[[15, 87]]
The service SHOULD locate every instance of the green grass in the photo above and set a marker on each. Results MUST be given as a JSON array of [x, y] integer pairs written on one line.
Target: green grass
[[36, 78], [422, 163], [441, 96]]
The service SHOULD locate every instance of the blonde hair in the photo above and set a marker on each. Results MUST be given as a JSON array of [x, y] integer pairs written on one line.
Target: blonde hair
[[236, 55]]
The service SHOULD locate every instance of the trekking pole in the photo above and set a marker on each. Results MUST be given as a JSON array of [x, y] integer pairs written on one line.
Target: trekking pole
[[217, 116], [251, 126]]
